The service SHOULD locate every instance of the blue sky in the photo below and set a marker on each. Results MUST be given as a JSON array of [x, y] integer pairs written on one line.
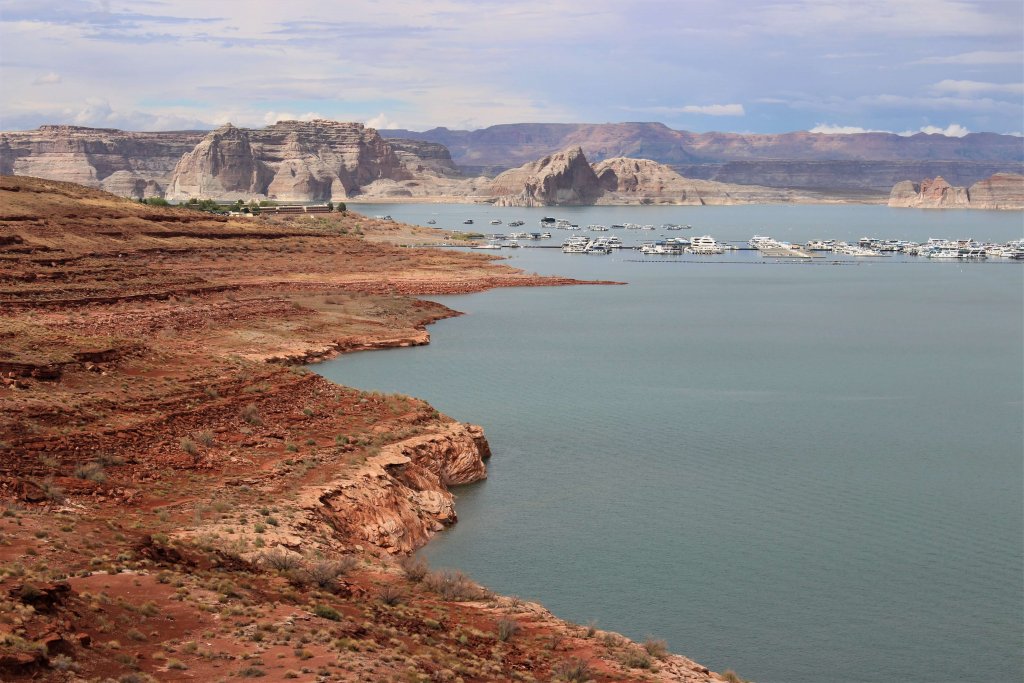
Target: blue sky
[[731, 65]]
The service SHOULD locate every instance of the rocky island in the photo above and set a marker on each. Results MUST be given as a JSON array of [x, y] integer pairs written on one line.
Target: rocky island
[[180, 499]]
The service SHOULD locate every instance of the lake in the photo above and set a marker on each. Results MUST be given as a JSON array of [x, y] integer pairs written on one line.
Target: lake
[[799, 471]]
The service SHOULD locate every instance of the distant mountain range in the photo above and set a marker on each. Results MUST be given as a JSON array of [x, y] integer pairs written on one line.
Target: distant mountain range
[[851, 163], [518, 164]]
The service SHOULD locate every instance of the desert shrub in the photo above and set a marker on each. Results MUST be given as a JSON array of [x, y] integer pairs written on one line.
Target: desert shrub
[[205, 438], [325, 573], [415, 568], [51, 491], [280, 560], [656, 648], [108, 459], [252, 672], [251, 414], [636, 659], [327, 612], [573, 670], [454, 586], [507, 628], [189, 446], [63, 663], [732, 677], [91, 471], [391, 594]]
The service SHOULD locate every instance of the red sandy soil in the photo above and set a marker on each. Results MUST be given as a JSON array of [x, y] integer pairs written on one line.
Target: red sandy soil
[[181, 502]]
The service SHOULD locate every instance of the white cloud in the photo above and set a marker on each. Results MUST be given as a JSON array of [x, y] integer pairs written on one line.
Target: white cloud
[[704, 109], [272, 117], [714, 109], [47, 79], [974, 87], [977, 57], [953, 130], [381, 121], [832, 129]]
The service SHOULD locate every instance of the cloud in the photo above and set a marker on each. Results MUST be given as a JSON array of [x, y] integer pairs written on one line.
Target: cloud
[[714, 109], [977, 57], [381, 122], [831, 129], [953, 130], [272, 117], [975, 87], [47, 79], [98, 112], [704, 109]]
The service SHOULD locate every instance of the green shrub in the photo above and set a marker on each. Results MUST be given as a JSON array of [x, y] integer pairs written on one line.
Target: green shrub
[[327, 612]]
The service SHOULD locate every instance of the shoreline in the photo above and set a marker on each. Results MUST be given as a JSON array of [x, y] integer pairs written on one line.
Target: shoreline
[[162, 452]]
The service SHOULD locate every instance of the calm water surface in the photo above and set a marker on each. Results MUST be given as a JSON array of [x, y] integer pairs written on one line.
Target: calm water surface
[[803, 472]]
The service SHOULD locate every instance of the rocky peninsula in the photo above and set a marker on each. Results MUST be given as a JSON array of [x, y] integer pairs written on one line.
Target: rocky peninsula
[[180, 499]]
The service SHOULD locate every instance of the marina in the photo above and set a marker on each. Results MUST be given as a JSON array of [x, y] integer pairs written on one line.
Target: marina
[[603, 237]]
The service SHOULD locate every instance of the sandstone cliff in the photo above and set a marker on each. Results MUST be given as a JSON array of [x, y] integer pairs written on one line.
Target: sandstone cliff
[[643, 181], [223, 165], [290, 160], [1001, 191], [564, 178], [126, 163]]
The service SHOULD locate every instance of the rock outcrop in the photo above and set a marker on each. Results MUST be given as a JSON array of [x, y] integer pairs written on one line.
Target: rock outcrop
[[565, 178], [642, 181], [290, 160], [127, 163], [1000, 191], [223, 165], [400, 497]]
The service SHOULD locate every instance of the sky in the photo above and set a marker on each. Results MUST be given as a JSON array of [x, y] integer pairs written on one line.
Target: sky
[[771, 66]]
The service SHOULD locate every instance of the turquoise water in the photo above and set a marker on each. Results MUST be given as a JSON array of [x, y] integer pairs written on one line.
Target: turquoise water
[[800, 472]]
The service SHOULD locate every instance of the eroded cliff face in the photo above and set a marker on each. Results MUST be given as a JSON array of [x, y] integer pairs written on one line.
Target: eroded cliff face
[[565, 178], [1001, 191], [643, 181], [290, 161], [125, 163], [399, 498], [223, 165]]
